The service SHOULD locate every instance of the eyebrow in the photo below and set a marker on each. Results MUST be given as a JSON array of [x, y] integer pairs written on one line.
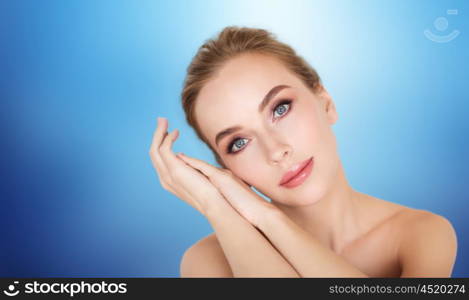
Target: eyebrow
[[268, 97]]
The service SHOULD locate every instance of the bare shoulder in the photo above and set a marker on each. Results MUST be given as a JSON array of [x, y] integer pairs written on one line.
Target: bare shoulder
[[425, 242], [419, 218], [404, 217], [415, 225], [205, 259], [428, 244], [418, 222]]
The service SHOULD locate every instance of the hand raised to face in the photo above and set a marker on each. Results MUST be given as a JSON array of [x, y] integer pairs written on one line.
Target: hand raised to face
[[248, 204], [178, 177]]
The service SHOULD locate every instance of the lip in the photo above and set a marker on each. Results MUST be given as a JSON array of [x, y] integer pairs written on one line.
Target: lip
[[297, 174]]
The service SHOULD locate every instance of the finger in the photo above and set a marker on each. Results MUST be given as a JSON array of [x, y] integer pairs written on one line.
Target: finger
[[159, 134], [168, 157], [206, 168], [226, 184], [230, 186], [155, 156]]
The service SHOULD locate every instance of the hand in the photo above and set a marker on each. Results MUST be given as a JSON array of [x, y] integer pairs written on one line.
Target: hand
[[177, 177], [248, 204]]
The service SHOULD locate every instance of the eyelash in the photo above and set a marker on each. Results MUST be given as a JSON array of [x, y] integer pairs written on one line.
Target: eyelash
[[280, 103]]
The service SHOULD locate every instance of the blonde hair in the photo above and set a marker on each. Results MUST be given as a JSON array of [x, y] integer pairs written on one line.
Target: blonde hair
[[230, 42]]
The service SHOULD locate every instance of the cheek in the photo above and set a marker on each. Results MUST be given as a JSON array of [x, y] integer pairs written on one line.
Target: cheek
[[250, 168], [303, 130]]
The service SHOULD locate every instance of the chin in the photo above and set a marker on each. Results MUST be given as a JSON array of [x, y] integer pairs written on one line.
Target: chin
[[307, 194], [310, 196]]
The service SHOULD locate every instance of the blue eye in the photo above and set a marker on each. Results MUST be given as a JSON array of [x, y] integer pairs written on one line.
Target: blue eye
[[238, 143], [281, 109]]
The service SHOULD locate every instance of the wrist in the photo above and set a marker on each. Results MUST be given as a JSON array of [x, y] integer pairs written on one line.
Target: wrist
[[217, 208], [270, 215]]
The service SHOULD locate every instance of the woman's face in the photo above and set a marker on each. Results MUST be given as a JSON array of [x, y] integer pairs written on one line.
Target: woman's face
[[294, 126]]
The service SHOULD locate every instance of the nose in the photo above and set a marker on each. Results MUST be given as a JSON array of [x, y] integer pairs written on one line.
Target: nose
[[278, 150]]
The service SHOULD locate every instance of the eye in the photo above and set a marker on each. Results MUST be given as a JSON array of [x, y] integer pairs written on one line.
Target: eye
[[282, 108], [237, 143]]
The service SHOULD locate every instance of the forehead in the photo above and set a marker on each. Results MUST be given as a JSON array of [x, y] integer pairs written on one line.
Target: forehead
[[232, 96]]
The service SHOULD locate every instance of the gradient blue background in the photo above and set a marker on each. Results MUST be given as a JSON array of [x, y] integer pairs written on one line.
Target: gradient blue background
[[82, 83]]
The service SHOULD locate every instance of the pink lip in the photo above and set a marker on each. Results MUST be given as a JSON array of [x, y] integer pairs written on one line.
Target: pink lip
[[297, 174]]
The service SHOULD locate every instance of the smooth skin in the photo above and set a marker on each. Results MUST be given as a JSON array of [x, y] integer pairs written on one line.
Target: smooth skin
[[322, 228]]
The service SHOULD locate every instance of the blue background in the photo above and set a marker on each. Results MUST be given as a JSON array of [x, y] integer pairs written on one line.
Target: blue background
[[82, 83]]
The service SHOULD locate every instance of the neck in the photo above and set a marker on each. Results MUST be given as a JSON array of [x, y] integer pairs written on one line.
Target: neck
[[334, 218]]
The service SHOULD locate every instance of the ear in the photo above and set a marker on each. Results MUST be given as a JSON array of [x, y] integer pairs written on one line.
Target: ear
[[332, 115], [329, 105]]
